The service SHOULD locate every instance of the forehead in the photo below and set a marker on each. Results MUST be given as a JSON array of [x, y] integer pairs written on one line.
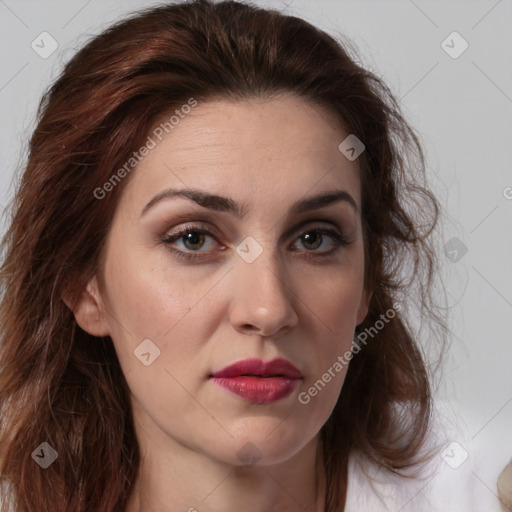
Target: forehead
[[267, 147], [263, 126]]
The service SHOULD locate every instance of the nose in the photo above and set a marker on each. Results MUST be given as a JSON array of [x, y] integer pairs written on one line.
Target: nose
[[263, 297]]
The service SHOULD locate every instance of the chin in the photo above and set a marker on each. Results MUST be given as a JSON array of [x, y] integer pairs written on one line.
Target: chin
[[263, 446]]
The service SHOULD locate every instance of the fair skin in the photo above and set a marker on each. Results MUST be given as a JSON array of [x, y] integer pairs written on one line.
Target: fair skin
[[293, 301]]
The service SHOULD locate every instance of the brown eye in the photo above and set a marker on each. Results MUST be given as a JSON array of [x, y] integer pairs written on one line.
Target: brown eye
[[191, 240], [315, 238], [312, 240], [194, 239]]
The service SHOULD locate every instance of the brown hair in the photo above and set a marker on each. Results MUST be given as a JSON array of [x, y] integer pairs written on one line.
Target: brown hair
[[60, 385]]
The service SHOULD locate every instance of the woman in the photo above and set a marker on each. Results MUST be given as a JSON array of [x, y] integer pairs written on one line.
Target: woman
[[214, 250]]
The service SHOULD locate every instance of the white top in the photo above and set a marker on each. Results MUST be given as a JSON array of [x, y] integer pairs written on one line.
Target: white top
[[461, 477]]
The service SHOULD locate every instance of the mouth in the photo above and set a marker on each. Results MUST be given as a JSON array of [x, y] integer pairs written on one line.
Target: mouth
[[258, 382], [260, 369], [261, 376]]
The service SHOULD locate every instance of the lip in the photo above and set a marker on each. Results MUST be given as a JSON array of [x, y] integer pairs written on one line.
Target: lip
[[276, 368], [258, 381]]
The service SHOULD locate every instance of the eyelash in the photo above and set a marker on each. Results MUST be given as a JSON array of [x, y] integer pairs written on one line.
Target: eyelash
[[339, 241]]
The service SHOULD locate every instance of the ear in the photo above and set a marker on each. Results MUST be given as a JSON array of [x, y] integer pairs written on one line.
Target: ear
[[89, 309], [364, 306]]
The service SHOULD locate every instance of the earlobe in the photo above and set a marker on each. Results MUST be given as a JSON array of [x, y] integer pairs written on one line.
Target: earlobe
[[88, 310]]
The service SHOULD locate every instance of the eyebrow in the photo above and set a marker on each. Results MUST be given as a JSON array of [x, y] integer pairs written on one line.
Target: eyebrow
[[225, 204]]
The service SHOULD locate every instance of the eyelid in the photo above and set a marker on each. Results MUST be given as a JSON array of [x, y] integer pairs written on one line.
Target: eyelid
[[319, 223], [196, 227], [209, 229]]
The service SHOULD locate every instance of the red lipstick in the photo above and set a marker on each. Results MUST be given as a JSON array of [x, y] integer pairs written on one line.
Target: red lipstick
[[257, 381]]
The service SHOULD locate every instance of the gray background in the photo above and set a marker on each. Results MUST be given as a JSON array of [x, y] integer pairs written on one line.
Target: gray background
[[462, 107]]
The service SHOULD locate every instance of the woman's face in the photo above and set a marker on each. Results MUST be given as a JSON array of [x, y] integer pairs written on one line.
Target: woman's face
[[259, 274]]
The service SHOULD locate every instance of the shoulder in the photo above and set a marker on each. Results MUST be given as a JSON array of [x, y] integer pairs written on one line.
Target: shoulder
[[443, 484], [460, 476]]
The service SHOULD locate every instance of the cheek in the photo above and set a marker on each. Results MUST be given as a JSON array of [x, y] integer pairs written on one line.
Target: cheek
[[332, 309], [175, 308], [141, 302], [335, 298]]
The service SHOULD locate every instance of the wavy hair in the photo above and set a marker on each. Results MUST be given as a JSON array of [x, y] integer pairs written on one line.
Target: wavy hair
[[58, 384]]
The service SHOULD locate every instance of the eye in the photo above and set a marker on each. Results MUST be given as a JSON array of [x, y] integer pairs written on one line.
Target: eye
[[193, 238], [330, 239]]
